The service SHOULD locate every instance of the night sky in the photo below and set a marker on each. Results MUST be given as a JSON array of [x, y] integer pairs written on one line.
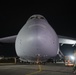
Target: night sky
[[60, 15]]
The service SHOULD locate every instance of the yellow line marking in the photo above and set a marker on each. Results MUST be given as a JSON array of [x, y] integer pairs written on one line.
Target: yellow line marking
[[36, 71]]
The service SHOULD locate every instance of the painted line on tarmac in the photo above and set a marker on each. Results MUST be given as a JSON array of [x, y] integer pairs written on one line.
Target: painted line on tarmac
[[40, 69]]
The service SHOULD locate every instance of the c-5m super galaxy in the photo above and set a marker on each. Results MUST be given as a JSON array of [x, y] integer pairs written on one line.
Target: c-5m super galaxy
[[37, 39]]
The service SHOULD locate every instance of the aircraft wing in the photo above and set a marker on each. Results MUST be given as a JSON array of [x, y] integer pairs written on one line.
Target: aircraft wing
[[66, 40], [62, 39], [9, 39]]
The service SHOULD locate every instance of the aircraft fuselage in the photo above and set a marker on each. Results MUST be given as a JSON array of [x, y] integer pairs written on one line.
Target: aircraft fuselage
[[36, 38]]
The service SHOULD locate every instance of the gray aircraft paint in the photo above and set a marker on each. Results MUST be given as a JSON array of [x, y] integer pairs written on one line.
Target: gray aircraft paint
[[36, 37]]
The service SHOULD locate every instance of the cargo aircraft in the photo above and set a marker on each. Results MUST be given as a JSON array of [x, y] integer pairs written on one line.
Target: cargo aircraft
[[37, 40]]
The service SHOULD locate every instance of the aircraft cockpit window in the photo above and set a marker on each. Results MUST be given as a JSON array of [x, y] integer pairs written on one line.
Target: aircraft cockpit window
[[37, 17], [32, 17], [41, 17]]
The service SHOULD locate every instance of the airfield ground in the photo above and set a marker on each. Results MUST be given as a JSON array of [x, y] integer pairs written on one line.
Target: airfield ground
[[47, 69]]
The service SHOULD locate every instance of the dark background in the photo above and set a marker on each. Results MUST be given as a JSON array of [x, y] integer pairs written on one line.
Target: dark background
[[13, 15]]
